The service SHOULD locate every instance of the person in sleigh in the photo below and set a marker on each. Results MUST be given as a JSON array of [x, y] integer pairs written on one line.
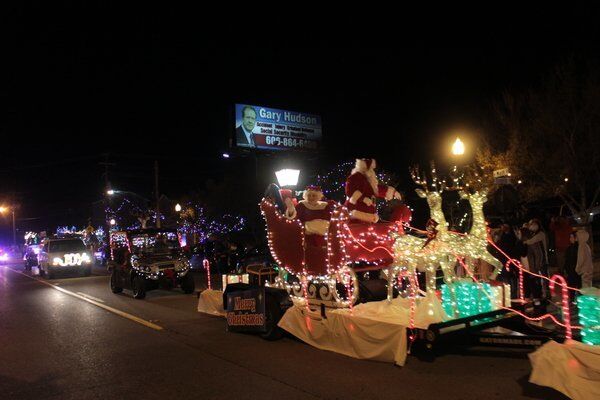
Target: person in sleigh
[[314, 213], [362, 190]]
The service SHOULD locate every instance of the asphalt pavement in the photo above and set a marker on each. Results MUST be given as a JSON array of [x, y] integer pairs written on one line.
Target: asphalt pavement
[[71, 338]]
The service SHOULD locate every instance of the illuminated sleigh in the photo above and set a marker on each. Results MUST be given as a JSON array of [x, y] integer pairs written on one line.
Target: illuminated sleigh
[[328, 274]]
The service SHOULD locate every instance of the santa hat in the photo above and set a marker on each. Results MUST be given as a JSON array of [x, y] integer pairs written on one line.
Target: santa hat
[[313, 188], [365, 164]]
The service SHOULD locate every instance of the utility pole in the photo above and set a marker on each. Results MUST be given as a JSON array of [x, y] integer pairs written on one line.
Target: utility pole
[[157, 193], [106, 165], [14, 227]]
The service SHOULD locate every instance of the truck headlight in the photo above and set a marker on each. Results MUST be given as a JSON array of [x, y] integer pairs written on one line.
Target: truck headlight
[[182, 265]]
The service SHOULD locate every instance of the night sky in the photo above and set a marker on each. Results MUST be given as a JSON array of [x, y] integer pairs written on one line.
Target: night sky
[[153, 83]]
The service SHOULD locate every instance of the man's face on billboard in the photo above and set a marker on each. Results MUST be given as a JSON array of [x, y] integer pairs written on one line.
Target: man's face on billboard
[[249, 119]]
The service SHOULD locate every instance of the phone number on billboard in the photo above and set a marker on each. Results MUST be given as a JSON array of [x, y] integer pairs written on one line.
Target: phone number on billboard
[[290, 142]]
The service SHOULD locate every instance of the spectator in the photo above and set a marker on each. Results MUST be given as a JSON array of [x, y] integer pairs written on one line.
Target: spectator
[[561, 228], [507, 241], [585, 265], [537, 257], [573, 278]]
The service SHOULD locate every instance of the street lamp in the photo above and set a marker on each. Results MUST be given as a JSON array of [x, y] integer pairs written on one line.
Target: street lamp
[[458, 148], [3, 210], [110, 192], [113, 222], [177, 207], [287, 177]]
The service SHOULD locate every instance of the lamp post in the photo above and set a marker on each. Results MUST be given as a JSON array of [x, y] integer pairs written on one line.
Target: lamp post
[[458, 148], [113, 193], [287, 177]]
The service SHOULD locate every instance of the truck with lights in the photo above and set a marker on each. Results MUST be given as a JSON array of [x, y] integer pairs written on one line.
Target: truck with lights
[[64, 255], [146, 259]]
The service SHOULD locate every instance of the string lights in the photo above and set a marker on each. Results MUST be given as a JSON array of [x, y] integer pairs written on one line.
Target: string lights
[[206, 265], [565, 302], [589, 317]]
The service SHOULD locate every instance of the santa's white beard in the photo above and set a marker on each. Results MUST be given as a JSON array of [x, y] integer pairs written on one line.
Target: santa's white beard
[[371, 177]]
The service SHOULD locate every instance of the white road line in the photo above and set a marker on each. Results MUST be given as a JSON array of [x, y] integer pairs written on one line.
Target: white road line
[[97, 303], [87, 296]]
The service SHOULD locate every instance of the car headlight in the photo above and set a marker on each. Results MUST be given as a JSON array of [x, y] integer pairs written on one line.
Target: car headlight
[[182, 265]]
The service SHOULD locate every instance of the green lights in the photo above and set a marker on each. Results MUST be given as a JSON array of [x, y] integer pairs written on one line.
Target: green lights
[[589, 318], [466, 298]]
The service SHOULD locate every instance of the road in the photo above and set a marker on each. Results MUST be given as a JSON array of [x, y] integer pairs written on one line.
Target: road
[[57, 345]]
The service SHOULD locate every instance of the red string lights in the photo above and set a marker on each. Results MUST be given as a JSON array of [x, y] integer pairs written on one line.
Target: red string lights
[[565, 302], [206, 265]]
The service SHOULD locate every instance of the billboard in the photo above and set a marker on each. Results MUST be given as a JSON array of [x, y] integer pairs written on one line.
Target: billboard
[[272, 129]]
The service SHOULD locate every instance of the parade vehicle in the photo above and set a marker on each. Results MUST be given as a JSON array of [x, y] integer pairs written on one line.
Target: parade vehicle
[[33, 247], [357, 262], [146, 259], [64, 255]]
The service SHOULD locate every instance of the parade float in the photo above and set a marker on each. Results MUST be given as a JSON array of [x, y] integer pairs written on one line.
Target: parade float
[[377, 289]]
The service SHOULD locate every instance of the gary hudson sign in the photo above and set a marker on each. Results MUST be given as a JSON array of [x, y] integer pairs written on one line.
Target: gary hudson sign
[[268, 128]]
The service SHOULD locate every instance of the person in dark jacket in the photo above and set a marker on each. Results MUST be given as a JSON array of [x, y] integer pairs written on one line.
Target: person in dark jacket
[[573, 278], [507, 241]]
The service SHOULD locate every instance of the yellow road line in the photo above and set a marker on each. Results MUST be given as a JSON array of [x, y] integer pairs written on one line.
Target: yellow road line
[[96, 303], [87, 296]]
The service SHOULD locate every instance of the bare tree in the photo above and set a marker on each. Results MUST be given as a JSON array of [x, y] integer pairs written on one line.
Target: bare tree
[[550, 138]]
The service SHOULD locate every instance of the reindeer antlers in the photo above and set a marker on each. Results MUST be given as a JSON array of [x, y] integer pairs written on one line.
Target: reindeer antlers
[[456, 179], [437, 185], [415, 174]]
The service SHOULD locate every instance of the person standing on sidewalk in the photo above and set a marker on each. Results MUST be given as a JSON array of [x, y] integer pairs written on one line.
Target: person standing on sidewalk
[[573, 278], [585, 265], [561, 228], [537, 257]]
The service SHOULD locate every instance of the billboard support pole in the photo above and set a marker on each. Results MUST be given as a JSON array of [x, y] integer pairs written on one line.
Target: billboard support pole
[[157, 193]]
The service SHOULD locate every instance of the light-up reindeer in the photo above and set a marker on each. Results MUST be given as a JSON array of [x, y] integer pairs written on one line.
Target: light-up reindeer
[[435, 250], [474, 244]]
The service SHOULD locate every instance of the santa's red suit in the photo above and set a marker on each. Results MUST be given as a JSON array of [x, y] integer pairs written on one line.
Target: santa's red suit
[[314, 215], [362, 189]]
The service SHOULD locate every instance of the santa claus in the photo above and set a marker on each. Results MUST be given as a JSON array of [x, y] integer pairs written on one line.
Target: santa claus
[[362, 189]]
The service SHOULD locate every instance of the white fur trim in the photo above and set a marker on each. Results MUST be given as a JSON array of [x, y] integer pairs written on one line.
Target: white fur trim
[[355, 196], [290, 212], [321, 205], [316, 227], [363, 216]]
